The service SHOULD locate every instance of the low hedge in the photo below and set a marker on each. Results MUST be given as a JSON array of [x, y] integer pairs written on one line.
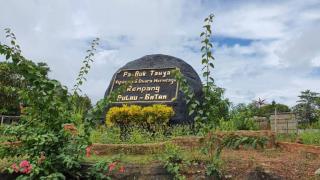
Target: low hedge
[[152, 118]]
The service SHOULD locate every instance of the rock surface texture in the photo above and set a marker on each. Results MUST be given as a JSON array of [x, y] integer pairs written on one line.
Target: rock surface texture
[[165, 61]]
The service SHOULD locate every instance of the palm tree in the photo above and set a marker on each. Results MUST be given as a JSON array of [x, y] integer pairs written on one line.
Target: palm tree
[[259, 102]]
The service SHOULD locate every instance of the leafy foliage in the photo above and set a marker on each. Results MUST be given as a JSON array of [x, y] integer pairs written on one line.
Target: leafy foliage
[[40, 129], [173, 161], [308, 107], [86, 65], [9, 100], [207, 57], [241, 117], [82, 104], [156, 117], [214, 145], [310, 137], [11, 81], [213, 106], [111, 135], [268, 109], [104, 169], [52, 150], [307, 136], [152, 118]]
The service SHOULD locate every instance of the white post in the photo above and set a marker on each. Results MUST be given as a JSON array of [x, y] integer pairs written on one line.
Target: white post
[[275, 119]]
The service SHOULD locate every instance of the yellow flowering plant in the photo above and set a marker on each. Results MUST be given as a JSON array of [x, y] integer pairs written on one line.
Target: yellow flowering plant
[[152, 118]]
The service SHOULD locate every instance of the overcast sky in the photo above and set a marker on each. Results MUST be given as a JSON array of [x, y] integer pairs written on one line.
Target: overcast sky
[[265, 49]]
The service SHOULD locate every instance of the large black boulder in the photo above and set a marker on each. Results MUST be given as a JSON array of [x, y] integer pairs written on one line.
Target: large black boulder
[[165, 61]]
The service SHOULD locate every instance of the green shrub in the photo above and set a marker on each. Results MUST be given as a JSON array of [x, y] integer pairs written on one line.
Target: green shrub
[[125, 115], [292, 137], [180, 130], [139, 136], [314, 125], [173, 161], [112, 135], [237, 122], [310, 137], [307, 137], [42, 130], [244, 123], [106, 135], [227, 125], [152, 118], [156, 116], [135, 115]]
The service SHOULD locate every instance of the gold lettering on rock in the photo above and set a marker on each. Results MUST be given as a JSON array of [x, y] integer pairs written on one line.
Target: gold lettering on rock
[[136, 74], [160, 73], [143, 89], [127, 98], [155, 97]]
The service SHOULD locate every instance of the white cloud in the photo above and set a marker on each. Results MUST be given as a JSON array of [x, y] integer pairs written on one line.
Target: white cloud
[[275, 65]]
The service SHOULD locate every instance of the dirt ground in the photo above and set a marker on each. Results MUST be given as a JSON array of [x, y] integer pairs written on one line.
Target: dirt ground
[[287, 165]]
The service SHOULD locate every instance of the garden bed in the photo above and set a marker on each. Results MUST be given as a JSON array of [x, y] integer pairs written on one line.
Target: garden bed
[[185, 142], [237, 164], [147, 148], [284, 161]]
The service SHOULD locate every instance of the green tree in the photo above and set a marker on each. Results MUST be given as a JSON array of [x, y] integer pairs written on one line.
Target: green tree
[[307, 106], [9, 101], [269, 109], [11, 78], [242, 117]]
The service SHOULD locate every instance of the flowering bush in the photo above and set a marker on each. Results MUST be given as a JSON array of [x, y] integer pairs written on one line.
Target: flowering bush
[[152, 118], [24, 167], [124, 116], [156, 116], [45, 131], [134, 115], [104, 169]]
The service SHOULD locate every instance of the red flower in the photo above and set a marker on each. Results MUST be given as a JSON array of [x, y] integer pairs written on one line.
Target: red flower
[[15, 167], [112, 166], [122, 169], [88, 150], [25, 166], [27, 170], [24, 163]]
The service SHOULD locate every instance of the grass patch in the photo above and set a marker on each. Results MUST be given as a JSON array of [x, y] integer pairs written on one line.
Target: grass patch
[[112, 135], [310, 137], [287, 137], [132, 159], [190, 155], [306, 137]]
